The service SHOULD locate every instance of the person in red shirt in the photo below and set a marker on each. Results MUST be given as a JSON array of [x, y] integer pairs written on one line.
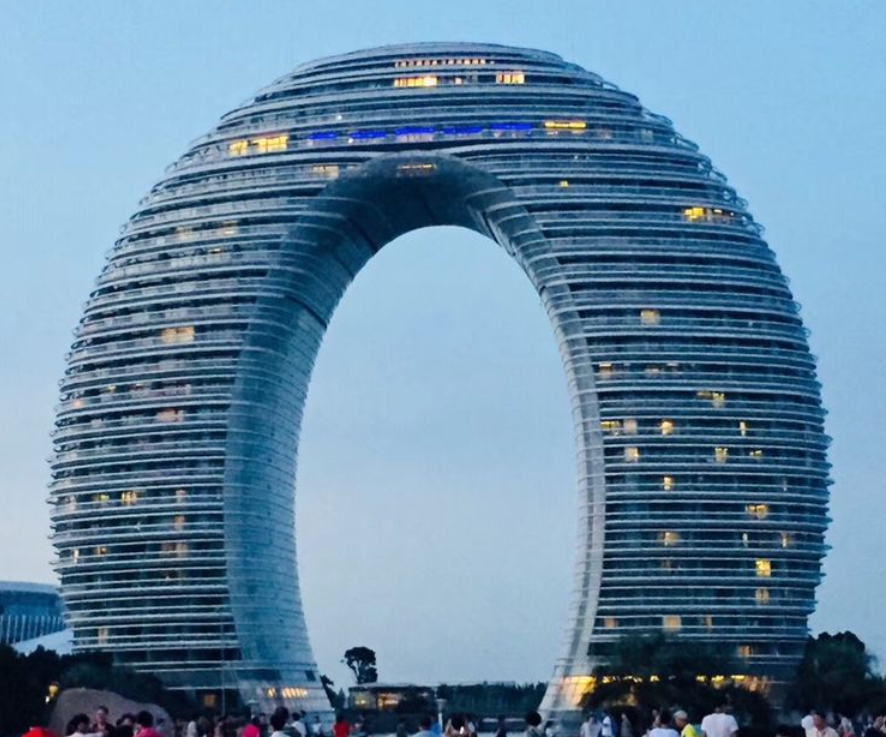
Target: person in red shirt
[[253, 728], [341, 728], [144, 725]]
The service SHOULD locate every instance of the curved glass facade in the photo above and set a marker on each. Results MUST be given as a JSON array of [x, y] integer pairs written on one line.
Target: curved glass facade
[[702, 476]]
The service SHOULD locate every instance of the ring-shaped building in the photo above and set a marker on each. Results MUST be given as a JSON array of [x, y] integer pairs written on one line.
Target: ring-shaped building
[[701, 456]]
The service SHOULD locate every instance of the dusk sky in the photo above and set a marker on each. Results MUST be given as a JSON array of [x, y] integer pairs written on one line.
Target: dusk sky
[[437, 494]]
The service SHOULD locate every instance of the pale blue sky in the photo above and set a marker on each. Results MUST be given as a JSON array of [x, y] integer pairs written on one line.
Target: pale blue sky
[[437, 427]]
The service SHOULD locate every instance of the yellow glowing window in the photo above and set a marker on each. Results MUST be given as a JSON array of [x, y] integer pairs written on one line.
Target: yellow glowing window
[[667, 483], [743, 428], [756, 454], [650, 317], [669, 538], [564, 183], [721, 455], [757, 511], [693, 214], [630, 426], [181, 495], [667, 427], [129, 497], [787, 539], [229, 228], [178, 522], [718, 399], [763, 567], [610, 623], [745, 651], [762, 596], [101, 551], [610, 426], [425, 81], [606, 370], [271, 144], [101, 498], [184, 334], [566, 125], [238, 148], [171, 415], [632, 454], [671, 622], [330, 171], [510, 78]]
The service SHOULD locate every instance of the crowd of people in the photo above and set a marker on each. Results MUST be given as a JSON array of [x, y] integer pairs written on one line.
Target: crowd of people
[[283, 723]]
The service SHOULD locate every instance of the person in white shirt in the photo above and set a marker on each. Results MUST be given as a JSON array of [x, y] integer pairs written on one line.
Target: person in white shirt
[[820, 726], [719, 724], [606, 727], [664, 728], [591, 727]]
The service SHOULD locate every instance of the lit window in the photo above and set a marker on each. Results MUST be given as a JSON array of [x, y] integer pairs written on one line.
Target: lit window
[[185, 233], [101, 498], [229, 228], [692, 214], [271, 144], [763, 567], [101, 551], [743, 428], [721, 455], [610, 623], [101, 636], [708, 621], [787, 539], [762, 596], [757, 511], [756, 454], [171, 415], [564, 183], [650, 317], [566, 125], [238, 148], [510, 78], [178, 522], [630, 426], [669, 538], [632, 454], [180, 496], [129, 497], [745, 539], [745, 651], [667, 483], [611, 426], [671, 622], [329, 171], [184, 334], [425, 81], [718, 399], [75, 555], [606, 370], [667, 427]]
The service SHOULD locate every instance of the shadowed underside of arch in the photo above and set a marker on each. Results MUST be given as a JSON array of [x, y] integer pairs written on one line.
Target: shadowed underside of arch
[[702, 475]]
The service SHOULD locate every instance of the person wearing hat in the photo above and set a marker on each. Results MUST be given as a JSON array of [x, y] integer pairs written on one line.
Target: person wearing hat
[[684, 726]]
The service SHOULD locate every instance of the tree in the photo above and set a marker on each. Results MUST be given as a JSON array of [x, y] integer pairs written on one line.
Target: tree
[[643, 672], [837, 673], [361, 661]]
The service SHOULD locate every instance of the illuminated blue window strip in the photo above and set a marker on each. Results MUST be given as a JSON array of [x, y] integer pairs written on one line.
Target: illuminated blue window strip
[[512, 126], [323, 135], [464, 130], [415, 131], [362, 135]]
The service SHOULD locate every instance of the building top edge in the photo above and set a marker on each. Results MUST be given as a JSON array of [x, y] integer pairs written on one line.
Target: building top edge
[[28, 587]]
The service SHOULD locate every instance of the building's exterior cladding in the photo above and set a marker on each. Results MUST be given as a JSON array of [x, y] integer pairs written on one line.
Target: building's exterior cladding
[[29, 611], [701, 452]]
